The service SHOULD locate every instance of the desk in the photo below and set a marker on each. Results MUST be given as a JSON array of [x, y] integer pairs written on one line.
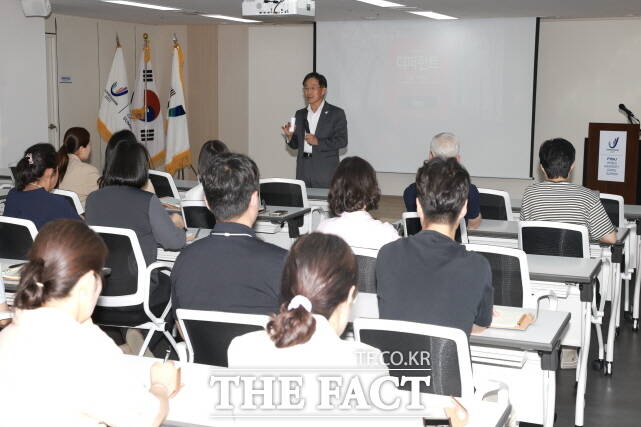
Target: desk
[[317, 193], [271, 228], [495, 232], [572, 281], [195, 405], [10, 286], [170, 256], [526, 361], [185, 184], [317, 199]]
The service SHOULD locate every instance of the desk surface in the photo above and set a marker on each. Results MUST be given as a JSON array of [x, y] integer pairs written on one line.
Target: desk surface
[[543, 335], [501, 229], [185, 184], [292, 212], [195, 404], [563, 269], [496, 228]]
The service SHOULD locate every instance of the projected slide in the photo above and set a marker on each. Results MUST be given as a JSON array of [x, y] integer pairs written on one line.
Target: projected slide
[[400, 82]]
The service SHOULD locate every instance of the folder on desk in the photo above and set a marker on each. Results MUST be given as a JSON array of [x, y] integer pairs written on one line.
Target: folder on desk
[[511, 318], [12, 273]]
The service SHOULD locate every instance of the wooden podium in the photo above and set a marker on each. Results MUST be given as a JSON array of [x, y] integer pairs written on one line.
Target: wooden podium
[[611, 160]]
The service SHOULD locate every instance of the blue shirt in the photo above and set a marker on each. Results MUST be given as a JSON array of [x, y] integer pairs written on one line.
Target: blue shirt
[[38, 206], [473, 201]]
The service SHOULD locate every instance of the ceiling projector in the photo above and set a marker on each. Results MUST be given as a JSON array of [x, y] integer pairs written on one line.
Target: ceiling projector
[[279, 8]]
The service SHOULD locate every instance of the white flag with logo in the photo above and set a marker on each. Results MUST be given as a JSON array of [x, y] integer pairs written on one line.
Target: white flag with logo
[[114, 107], [146, 117], [178, 150]]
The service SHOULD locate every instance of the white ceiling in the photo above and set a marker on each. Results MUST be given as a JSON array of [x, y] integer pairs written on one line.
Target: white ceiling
[[335, 10]]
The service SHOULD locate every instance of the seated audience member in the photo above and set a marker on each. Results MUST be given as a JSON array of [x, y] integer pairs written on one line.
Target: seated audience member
[[36, 176], [57, 367], [209, 150], [429, 277], [557, 199], [353, 193], [230, 270], [318, 288], [121, 202], [74, 173], [446, 145]]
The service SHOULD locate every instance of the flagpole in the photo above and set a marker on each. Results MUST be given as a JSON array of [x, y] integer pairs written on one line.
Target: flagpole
[[145, 37]]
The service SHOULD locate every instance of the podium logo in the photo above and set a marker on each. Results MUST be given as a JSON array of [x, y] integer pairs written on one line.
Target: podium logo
[[614, 142]]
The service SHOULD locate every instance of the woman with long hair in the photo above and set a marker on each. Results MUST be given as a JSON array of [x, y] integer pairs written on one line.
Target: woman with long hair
[[36, 176], [75, 174], [57, 367]]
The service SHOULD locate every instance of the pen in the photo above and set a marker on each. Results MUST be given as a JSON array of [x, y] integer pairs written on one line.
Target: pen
[[167, 355]]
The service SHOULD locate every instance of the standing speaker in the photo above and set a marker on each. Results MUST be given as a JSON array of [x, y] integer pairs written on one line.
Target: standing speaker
[[40, 8]]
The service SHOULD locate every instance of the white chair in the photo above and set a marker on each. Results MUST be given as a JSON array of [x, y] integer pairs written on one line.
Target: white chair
[[164, 185], [412, 225], [197, 214], [16, 237], [128, 286], [510, 275], [288, 193], [209, 333], [72, 197], [447, 350], [495, 204]]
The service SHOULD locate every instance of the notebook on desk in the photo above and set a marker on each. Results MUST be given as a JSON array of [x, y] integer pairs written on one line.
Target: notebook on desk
[[511, 318]]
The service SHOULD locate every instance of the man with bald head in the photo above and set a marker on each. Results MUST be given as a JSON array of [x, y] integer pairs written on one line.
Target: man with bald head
[[446, 145]]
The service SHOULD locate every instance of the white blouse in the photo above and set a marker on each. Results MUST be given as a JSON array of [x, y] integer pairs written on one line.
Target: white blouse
[[57, 372], [360, 230]]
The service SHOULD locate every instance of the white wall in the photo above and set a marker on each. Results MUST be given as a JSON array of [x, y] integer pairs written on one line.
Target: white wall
[[586, 69], [275, 92], [23, 85], [233, 90]]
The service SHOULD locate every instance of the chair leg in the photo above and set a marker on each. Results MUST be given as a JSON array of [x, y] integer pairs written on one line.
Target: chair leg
[[145, 345]]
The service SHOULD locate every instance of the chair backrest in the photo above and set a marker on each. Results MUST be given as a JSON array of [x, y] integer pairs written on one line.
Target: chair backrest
[[164, 185], [72, 198], [554, 238], [495, 204], [412, 225], [123, 287], [510, 275], [14, 173], [209, 333], [366, 259], [16, 237], [286, 192], [613, 205], [197, 214], [408, 347]]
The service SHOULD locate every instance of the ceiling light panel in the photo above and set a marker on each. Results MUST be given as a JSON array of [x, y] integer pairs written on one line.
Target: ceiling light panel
[[137, 4], [381, 3], [434, 15], [231, 18]]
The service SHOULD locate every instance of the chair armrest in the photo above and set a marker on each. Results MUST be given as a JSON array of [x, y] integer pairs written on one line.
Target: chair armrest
[[181, 349], [150, 268], [485, 388]]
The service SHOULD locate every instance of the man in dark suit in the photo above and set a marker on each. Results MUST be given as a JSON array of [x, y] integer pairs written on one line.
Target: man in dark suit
[[320, 131]]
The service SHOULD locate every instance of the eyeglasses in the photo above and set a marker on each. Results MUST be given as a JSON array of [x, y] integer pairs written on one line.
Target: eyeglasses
[[308, 89]]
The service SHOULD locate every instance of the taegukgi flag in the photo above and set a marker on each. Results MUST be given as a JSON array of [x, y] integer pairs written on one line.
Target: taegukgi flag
[[178, 151], [147, 120], [114, 114]]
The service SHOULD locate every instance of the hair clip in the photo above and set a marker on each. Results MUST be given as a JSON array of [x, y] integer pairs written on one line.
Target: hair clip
[[29, 158], [300, 301], [40, 284]]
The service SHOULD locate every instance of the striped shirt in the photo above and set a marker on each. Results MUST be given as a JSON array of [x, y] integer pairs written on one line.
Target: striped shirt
[[566, 202]]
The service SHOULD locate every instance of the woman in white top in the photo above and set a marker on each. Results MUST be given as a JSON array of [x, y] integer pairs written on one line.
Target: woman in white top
[[56, 367], [74, 173], [352, 194], [208, 152], [318, 288]]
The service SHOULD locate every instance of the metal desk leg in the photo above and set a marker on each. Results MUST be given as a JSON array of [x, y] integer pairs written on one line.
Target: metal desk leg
[[549, 393], [583, 363], [614, 309]]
